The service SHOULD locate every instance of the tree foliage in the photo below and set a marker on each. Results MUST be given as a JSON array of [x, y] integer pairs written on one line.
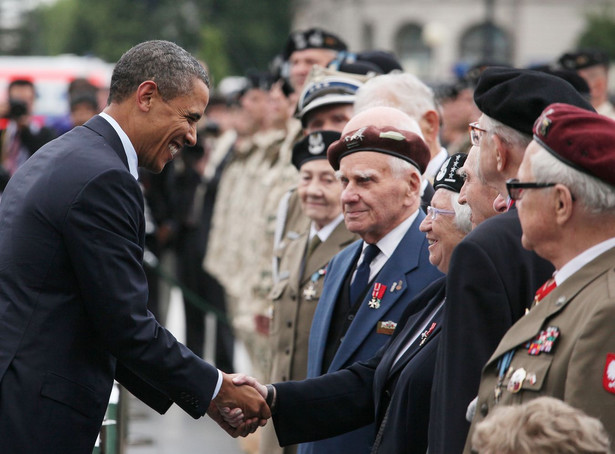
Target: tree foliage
[[231, 36], [599, 32]]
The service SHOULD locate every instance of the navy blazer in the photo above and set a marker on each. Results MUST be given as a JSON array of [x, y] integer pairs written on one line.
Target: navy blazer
[[491, 281], [409, 265], [345, 400], [73, 299]]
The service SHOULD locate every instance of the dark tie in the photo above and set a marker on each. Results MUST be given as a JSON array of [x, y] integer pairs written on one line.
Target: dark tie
[[361, 278], [313, 244]]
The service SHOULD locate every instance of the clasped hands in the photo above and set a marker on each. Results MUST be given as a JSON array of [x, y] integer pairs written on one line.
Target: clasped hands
[[239, 409]]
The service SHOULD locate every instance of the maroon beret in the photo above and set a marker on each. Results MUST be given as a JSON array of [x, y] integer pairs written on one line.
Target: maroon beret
[[581, 139], [405, 145]]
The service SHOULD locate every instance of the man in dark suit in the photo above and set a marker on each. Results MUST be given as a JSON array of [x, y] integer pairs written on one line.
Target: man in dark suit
[[72, 289], [492, 279]]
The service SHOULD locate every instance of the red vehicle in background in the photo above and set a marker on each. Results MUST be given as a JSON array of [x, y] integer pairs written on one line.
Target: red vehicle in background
[[51, 77]]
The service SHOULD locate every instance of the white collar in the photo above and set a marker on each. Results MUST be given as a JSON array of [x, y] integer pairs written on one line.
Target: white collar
[[434, 165], [582, 259], [129, 149]]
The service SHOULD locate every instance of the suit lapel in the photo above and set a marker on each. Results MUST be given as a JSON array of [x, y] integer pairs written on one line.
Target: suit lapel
[[324, 310], [102, 127], [397, 269]]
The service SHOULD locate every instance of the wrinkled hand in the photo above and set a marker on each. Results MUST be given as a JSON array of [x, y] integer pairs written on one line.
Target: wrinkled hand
[[241, 404], [242, 379]]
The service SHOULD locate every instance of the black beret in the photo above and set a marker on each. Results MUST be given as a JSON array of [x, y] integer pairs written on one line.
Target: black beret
[[448, 177], [314, 38], [313, 146], [402, 144], [387, 61], [583, 59], [516, 97]]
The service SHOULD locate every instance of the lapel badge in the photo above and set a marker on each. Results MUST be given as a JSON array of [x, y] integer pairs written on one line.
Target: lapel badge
[[396, 286], [516, 381], [543, 342], [427, 333], [387, 327], [377, 295]]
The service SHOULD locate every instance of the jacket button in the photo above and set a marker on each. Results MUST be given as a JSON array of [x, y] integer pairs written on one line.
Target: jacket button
[[350, 317], [289, 324], [484, 409]]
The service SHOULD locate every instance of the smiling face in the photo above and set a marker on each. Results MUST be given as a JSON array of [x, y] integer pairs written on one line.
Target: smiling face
[[441, 233], [169, 125], [319, 192], [374, 201]]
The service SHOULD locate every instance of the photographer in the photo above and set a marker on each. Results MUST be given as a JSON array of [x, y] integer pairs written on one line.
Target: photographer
[[21, 136]]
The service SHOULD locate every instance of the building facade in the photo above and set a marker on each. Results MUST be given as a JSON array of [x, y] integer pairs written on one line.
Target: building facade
[[437, 39]]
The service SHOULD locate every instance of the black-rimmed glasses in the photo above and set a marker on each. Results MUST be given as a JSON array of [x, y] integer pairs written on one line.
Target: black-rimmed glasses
[[515, 187]]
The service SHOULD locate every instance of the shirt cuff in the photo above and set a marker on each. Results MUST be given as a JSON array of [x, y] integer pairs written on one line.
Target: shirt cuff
[[218, 385]]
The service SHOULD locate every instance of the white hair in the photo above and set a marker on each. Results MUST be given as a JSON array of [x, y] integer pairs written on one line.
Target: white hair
[[462, 214], [595, 195], [512, 137], [402, 91]]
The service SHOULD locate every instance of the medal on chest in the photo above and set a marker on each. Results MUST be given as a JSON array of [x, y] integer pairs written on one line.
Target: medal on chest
[[377, 294], [309, 293]]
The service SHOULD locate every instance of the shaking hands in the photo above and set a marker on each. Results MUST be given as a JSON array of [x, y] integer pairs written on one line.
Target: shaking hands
[[240, 407]]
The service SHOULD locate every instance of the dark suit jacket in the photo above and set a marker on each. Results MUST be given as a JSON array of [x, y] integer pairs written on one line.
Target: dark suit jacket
[[73, 299], [409, 265], [358, 395], [490, 283]]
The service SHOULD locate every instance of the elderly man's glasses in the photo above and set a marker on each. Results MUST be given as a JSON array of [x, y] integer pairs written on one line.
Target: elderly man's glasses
[[432, 213], [515, 187], [476, 133]]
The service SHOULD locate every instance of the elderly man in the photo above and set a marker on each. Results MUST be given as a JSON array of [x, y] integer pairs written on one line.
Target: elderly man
[[482, 199], [73, 293], [482, 304], [370, 283], [303, 266], [565, 346], [393, 387]]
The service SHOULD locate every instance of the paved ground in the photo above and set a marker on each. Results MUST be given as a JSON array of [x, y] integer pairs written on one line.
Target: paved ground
[[176, 432]]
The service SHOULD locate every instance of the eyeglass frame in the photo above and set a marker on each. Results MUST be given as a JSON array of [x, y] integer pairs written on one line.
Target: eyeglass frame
[[472, 128], [432, 212], [513, 185]]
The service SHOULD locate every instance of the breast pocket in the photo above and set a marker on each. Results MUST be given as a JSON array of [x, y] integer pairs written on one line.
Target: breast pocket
[[527, 374]]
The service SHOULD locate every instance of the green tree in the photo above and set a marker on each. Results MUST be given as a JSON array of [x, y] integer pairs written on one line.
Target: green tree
[[599, 32], [231, 36]]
